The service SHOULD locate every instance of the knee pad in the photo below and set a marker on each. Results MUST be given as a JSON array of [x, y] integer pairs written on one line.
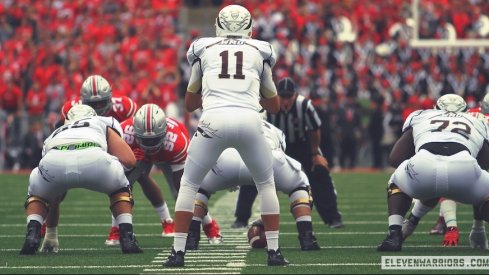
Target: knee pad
[[201, 200], [186, 197], [120, 195], [269, 199], [392, 190], [300, 197], [30, 199]]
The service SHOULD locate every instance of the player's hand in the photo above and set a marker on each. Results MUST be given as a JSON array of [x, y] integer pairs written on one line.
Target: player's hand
[[139, 154], [319, 160]]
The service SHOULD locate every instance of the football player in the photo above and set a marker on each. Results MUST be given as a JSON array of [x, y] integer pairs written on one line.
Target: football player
[[231, 76], [162, 141], [87, 152], [442, 152], [97, 93], [230, 172], [447, 220]]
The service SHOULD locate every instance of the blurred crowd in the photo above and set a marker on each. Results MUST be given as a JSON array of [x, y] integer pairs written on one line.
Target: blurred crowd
[[352, 57]]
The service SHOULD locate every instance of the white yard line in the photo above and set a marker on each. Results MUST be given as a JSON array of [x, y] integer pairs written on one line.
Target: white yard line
[[229, 258]]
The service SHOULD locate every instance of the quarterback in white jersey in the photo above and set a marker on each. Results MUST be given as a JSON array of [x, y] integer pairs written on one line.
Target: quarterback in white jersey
[[450, 157], [230, 172], [84, 153], [231, 77]]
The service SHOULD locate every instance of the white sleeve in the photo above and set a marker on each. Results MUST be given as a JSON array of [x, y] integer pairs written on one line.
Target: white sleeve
[[195, 81], [267, 86], [411, 119]]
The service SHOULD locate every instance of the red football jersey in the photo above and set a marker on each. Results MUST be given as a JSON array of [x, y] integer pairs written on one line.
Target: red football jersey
[[478, 110], [122, 107], [174, 150]]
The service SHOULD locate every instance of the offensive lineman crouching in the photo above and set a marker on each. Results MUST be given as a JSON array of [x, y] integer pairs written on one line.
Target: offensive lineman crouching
[[441, 153], [230, 171], [84, 153]]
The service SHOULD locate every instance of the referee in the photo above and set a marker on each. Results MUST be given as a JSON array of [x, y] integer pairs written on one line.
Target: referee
[[301, 125]]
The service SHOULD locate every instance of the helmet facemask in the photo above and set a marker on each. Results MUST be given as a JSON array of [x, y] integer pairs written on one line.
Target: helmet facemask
[[150, 128], [97, 93], [101, 106]]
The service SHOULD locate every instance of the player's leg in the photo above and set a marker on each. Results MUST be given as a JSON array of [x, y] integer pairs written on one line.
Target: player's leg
[[121, 203], [448, 209], [153, 193], [211, 229], [300, 206], [477, 236], [40, 191], [257, 156], [36, 209], [246, 197], [290, 179], [417, 213], [200, 211], [50, 225], [101, 172], [132, 175], [440, 226], [203, 152]]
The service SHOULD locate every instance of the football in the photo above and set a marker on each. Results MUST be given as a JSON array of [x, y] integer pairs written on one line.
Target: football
[[256, 236]]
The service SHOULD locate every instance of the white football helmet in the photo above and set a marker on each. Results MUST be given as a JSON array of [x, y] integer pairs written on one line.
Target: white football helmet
[[234, 20], [485, 104], [451, 103], [150, 127], [78, 112], [97, 92]]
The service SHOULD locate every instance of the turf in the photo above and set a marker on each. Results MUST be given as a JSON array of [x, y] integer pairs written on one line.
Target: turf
[[85, 222]]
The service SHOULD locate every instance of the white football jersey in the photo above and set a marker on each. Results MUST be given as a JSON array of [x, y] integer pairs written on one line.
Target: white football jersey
[[442, 126], [92, 129], [231, 70]]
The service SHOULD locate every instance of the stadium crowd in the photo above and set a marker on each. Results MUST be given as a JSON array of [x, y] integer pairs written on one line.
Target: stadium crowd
[[353, 58]]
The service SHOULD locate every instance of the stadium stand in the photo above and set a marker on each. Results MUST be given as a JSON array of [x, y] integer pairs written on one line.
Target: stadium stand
[[332, 49]]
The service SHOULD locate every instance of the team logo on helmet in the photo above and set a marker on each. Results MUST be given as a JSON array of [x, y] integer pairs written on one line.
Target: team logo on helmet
[[234, 20], [78, 112], [451, 103]]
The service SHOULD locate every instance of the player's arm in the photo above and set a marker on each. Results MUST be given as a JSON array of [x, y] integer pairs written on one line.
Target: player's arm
[[120, 149], [193, 97], [269, 98], [403, 149], [317, 156]]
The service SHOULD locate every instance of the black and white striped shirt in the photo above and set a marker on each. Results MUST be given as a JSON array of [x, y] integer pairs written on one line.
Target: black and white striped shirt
[[301, 118]]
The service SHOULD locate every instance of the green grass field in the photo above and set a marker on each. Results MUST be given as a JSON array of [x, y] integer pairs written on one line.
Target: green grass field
[[85, 221]]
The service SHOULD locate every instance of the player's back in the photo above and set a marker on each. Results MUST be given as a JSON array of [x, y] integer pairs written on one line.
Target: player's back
[[93, 129], [442, 126], [231, 70]]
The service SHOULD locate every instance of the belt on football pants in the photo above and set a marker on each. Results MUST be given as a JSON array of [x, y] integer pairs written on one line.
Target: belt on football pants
[[444, 148], [76, 146]]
